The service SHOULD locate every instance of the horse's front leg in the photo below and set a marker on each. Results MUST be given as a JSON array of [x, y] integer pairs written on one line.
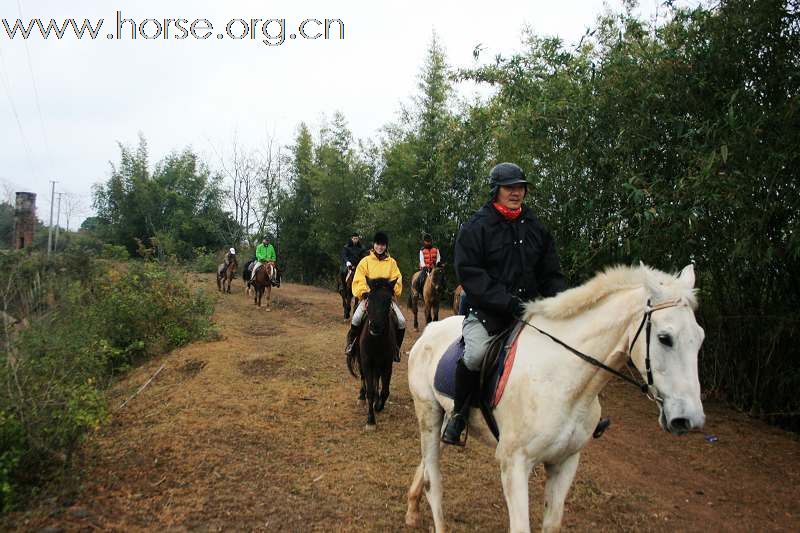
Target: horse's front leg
[[386, 379], [372, 390], [427, 312], [415, 308], [559, 480], [514, 472], [436, 312]]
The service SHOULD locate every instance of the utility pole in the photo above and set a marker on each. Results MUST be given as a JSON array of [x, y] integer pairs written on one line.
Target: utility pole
[[50, 231], [58, 219]]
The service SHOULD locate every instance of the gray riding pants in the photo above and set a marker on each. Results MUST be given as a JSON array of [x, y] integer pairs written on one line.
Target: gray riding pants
[[361, 311], [476, 342]]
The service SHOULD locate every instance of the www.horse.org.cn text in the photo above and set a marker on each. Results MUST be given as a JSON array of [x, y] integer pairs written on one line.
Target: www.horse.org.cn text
[[269, 31]]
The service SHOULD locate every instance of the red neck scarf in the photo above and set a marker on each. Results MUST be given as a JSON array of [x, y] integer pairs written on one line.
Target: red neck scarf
[[508, 214]]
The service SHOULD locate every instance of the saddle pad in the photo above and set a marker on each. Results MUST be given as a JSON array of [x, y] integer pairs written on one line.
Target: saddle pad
[[444, 379]]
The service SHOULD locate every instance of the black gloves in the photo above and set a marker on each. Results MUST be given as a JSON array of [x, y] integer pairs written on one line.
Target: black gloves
[[517, 307]]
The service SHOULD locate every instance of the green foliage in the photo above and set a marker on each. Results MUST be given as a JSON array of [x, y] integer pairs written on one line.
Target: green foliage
[[174, 209], [6, 225], [114, 252], [87, 322]]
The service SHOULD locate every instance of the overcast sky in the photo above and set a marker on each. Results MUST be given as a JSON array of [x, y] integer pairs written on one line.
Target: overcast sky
[[200, 93]]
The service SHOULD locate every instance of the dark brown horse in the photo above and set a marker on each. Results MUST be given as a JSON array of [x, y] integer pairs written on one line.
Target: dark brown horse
[[263, 282], [377, 343], [431, 295], [225, 274], [345, 283]]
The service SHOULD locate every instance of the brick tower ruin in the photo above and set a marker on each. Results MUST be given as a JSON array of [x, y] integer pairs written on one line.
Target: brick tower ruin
[[24, 220]]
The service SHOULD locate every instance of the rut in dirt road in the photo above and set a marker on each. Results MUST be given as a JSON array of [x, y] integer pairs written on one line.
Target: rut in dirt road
[[261, 430]]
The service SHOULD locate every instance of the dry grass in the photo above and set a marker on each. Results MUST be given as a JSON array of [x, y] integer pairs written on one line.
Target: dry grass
[[261, 431]]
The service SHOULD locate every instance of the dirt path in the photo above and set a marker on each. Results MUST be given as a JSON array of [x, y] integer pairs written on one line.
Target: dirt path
[[261, 431]]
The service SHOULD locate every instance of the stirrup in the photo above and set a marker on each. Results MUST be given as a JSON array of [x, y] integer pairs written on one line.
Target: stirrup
[[601, 428]]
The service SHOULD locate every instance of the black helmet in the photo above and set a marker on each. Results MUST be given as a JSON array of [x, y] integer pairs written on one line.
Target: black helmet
[[506, 174], [355, 234], [381, 238], [427, 237]]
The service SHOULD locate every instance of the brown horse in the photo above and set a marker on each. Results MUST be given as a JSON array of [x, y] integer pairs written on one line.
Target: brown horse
[[345, 283], [225, 274], [263, 282], [431, 294], [376, 346], [457, 299]]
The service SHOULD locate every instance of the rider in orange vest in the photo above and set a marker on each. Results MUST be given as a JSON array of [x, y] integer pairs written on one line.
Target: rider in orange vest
[[429, 257]]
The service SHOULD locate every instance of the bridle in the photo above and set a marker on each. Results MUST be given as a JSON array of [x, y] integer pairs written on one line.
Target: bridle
[[646, 388]]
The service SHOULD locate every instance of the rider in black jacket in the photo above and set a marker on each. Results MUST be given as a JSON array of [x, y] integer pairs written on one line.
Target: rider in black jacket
[[503, 257], [352, 253]]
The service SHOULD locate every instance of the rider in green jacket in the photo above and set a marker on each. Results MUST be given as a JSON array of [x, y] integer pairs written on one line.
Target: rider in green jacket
[[265, 253]]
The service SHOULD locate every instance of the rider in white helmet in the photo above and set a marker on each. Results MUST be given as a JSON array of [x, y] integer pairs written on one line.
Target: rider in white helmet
[[230, 257]]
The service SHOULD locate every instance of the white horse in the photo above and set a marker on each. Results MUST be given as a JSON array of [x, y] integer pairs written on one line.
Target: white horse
[[550, 407]]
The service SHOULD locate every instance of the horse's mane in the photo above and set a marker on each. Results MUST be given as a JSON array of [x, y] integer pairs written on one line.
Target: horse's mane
[[613, 279]]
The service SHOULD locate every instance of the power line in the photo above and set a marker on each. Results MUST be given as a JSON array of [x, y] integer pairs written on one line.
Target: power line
[[6, 86], [35, 91]]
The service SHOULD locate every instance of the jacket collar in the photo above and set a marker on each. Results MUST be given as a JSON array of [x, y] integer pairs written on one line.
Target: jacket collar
[[385, 255], [496, 218]]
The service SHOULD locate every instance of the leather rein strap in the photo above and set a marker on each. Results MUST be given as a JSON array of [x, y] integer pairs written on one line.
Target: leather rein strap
[[646, 324]]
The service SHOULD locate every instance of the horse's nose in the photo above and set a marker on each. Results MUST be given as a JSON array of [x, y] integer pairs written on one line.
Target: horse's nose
[[680, 426]]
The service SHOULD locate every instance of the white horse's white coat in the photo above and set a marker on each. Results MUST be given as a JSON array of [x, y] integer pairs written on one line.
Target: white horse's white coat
[[550, 406]]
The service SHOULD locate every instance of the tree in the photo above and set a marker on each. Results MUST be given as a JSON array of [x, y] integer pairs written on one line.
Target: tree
[[176, 208]]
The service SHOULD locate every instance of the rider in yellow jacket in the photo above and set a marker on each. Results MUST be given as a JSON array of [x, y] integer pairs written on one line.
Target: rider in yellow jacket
[[378, 264]]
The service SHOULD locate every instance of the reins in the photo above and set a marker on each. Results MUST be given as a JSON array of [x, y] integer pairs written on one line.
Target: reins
[[646, 324]]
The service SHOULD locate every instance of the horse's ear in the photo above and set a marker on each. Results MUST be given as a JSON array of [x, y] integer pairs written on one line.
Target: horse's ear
[[653, 286], [369, 283], [392, 283], [687, 275], [442, 265]]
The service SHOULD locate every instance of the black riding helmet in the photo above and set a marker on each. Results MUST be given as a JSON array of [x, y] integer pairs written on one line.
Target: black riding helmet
[[381, 238], [506, 174], [427, 237]]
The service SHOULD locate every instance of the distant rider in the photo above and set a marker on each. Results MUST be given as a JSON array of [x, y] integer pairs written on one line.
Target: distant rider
[[265, 254], [429, 257]]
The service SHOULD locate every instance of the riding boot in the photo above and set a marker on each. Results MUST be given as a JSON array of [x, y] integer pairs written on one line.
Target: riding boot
[[400, 334], [352, 337], [466, 382]]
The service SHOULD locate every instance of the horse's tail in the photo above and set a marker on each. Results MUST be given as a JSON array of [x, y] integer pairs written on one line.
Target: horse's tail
[[352, 362]]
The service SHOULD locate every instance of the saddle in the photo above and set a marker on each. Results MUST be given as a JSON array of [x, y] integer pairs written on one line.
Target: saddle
[[495, 370]]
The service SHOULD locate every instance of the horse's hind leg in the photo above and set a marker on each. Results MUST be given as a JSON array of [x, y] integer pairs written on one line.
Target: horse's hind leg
[[428, 475], [413, 518], [559, 480]]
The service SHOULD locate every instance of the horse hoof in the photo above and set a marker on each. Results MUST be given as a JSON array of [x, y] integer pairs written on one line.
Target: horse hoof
[[369, 427], [378, 407], [413, 519]]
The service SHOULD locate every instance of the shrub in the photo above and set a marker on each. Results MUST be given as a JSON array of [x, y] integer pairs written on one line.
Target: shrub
[[88, 322]]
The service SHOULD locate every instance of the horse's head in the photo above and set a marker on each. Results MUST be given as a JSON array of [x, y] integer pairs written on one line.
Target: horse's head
[[675, 339], [437, 279], [380, 302]]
